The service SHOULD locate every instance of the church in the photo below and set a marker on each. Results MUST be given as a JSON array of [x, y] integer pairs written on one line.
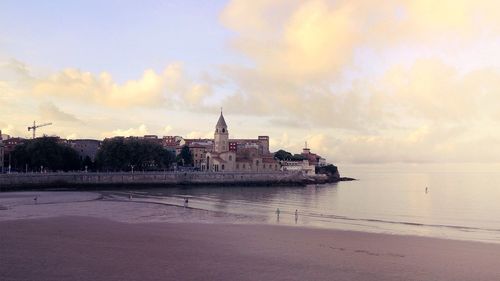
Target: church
[[238, 155]]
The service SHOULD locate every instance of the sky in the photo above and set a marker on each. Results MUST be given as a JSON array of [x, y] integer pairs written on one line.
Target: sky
[[414, 81]]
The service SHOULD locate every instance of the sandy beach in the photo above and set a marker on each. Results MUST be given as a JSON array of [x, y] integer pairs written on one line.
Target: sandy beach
[[85, 248]]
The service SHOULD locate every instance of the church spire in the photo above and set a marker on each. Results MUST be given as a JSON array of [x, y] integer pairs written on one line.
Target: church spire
[[221, 136], [221, 122]]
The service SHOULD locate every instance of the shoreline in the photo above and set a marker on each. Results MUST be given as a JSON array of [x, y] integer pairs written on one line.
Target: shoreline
[[147, 208], [100, 249]]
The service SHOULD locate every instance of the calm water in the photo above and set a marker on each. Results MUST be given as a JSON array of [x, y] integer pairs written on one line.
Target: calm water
[[463, 201]]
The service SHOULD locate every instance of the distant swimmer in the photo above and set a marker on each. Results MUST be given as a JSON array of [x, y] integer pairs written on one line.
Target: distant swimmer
[[296, 215]]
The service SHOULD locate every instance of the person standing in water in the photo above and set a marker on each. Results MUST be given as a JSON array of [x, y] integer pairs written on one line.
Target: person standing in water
[[296, 216], [278, 214]]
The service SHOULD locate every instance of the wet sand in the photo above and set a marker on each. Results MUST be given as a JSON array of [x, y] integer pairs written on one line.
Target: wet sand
[[85, 248]]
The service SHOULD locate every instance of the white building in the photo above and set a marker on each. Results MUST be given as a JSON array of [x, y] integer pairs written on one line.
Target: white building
[[299, 166]]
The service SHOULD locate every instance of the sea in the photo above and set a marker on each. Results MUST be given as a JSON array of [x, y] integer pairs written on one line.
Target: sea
[[453, 201]]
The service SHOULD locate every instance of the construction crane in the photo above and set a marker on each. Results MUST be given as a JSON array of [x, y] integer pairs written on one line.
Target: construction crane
[[35, 126]]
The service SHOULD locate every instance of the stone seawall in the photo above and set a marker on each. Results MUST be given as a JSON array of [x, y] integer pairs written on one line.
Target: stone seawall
[[34, 180]]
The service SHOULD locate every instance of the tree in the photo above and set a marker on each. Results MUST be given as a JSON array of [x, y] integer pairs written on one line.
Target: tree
[[46, 152], [167, 158], [87, 163], [285, 155], [298, 157], [185, 158], [113, 155], [282, 155], [330, 170], [120, 154]]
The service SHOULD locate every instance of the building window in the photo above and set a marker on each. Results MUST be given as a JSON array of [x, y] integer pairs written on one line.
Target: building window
[[222, 166], [238, 166], [230, 157], [243, 166], [223, 130]]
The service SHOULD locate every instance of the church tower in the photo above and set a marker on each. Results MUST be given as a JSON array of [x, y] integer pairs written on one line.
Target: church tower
[[221, 136]]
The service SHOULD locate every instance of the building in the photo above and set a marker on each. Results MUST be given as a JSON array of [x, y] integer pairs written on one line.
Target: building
[[1, 153], [11, 143], [198, 148], [171, 143], [261, 143], [6, 147], [240, 155], [303, 166], [313, 158], [85, 147]]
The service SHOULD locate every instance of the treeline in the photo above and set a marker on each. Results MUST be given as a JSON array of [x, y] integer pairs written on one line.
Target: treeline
[[131, 154], [114, 155], [285, 155], [44, 154]]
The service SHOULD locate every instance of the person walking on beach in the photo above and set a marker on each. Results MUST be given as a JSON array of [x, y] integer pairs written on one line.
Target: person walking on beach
[[296, 216], [278, 214]]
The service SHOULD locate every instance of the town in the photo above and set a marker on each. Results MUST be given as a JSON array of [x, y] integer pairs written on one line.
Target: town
[[154, 153]]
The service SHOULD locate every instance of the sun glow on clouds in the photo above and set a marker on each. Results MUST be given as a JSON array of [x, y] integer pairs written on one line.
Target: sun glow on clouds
[[152, 89], [139, 131], [361, 81]]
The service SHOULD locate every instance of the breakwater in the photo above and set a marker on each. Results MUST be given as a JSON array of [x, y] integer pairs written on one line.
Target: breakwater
[[80, 179]]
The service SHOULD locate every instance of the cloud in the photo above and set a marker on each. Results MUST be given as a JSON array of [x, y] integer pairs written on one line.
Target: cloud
[[300, 52], [361, 81], [77, 85], [167, 129], [10, 130], [72, 136], [139, 131], [48, 111], [433, 91], [200, 134], [169, 88]]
